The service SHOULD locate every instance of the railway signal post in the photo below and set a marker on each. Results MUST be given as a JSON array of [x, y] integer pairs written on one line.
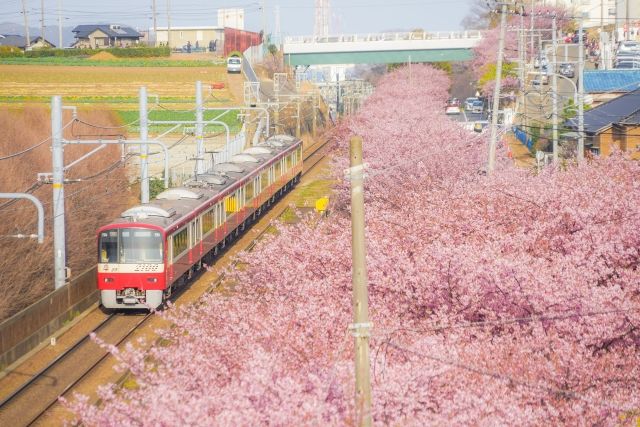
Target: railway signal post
[[360, 328]]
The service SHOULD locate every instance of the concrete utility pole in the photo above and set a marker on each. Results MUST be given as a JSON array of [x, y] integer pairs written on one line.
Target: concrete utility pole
[[554, 88], [57, 155], [580, 93], [169, 24], [144, 148], [26, 22], [41, 21], [361, 326], [627, 20], [155, 25], [199, 130], [314, 122], [496, 93], [298, 118], [60, 43]]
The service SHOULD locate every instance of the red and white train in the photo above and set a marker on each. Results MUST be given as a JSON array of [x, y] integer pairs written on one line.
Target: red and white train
[[154, 248]]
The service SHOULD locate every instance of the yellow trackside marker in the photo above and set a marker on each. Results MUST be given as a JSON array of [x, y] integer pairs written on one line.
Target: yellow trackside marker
[[143, 156], [322, 204], [57, 185]]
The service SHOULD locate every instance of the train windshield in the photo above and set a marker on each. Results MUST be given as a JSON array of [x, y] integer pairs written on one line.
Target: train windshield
[[130, 246]]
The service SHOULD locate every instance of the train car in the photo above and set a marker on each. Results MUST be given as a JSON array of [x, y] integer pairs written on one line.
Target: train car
[[152, 249]]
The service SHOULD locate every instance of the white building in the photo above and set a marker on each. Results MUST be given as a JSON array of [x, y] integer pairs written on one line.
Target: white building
[[233, 18]]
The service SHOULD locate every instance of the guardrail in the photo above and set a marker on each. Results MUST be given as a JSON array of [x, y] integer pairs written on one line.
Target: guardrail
[[373, 37]]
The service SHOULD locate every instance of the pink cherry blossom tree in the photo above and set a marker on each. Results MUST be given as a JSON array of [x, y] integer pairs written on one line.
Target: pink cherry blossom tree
[[501, 300]]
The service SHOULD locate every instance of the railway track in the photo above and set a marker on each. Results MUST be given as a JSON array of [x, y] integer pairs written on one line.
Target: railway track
[[32, 400]]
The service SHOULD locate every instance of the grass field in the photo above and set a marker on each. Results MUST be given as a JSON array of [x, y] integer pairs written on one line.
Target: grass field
[[124, 62], [131, 116], [110, 85]]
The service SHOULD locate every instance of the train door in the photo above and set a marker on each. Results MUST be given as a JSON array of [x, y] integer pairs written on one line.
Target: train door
[[170, 257], [194, 240]]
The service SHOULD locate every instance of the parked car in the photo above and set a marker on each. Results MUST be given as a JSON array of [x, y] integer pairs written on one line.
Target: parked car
[[541, 79], [567, 70], [627, 64], [477, 107], [234, 64], [468, 103], [452, 109], [628, 46], [540, 61]]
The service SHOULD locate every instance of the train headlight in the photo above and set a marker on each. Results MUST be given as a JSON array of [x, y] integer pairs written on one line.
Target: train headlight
[[108, 279], [152, 279]]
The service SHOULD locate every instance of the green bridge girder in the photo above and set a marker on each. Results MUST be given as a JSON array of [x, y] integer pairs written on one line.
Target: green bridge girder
[[378, 57]]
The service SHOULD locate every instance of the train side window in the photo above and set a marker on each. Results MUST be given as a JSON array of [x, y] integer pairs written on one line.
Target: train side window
[[299, 153], [249, 189], [208, 221], [264, 180], [180, 242], [289, 162], [278, 169]]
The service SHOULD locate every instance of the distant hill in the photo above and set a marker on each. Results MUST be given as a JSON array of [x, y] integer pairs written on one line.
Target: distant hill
[[50, 33]]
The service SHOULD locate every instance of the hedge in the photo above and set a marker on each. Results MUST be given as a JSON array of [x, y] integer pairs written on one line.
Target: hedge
[[119, 52]]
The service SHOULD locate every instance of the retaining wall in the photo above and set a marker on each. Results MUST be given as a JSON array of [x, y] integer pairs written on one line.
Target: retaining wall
[[25, 330]]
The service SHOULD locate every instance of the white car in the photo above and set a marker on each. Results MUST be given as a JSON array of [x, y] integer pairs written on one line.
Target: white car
[[452, 109], [234, 64], [468, 103]]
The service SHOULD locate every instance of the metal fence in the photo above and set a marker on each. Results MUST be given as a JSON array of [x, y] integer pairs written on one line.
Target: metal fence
[[372, 37], [252, 56]]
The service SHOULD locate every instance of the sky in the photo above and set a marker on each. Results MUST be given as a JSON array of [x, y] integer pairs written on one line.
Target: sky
[[296, 16]]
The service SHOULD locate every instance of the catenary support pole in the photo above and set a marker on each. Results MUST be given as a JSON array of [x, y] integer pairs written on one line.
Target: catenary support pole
[[580, 93], [554, 87], [361, 326], [144, 148], [298, 118], [496, 93], [199, 129], [39, 208], [57, 155]]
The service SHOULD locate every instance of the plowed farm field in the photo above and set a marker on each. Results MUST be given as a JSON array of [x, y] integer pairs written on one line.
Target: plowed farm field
[[110, 85]]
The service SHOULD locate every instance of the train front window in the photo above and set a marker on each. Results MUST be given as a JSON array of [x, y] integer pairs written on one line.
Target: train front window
[[131, 246], [109, 246]]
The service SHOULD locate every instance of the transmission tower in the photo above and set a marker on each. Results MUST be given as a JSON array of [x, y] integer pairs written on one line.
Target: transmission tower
[[321, 27]]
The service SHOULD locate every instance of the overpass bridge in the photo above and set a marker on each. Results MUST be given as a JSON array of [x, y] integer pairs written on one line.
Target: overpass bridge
[[381, 48]]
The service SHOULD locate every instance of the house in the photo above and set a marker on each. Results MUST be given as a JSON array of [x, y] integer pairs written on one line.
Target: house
[[615, 123], [21, 42], [105, 35], [604, 85]]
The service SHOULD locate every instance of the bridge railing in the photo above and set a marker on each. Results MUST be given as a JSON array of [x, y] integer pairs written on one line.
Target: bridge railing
[[374, 37]]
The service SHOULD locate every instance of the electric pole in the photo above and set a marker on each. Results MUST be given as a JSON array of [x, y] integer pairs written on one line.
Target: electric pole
[[41, 22], [26, 23], [169, 24], [627, 20], [361, 326], [496, 93], [580, 93], [155, 25], [60, 43], [554, 89]]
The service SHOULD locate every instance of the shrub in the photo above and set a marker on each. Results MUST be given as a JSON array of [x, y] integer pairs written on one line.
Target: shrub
[[10, 52]]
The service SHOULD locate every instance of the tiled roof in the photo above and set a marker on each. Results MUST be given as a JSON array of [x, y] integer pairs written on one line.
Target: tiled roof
[[618, 110], [83, 31], [598, 81]]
